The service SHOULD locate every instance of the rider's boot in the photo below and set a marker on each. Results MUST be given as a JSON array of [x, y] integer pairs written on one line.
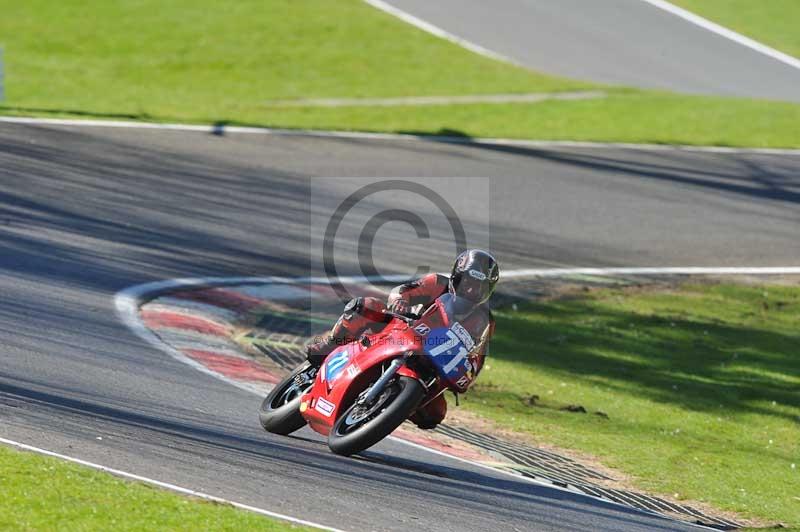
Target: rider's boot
[[431, 414], [338, 335], [317, 351]]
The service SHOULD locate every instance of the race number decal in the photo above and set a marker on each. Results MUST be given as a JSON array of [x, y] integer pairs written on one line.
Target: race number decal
[[449, 348], [422, 329], [335, 364]]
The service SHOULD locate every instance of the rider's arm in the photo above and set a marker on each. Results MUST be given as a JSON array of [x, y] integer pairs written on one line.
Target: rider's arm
[[421, 291], [482, 349]]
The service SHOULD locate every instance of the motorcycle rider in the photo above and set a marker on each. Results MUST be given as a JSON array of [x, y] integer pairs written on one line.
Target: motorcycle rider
[[472, 281]]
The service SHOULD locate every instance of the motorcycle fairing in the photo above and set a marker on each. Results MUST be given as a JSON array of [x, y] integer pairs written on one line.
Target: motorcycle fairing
[[345, 365], [349, 369]]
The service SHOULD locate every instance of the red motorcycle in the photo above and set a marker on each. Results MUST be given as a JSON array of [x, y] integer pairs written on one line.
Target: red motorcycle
[[365, 389]]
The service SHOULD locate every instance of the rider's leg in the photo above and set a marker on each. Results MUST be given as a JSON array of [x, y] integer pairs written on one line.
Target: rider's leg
[[360, 314], [430, 414]]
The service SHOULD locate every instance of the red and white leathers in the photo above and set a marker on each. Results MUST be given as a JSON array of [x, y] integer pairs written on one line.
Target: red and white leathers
[[366, 315]]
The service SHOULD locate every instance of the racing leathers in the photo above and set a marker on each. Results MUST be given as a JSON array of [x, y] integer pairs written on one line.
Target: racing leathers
[[365, 315]]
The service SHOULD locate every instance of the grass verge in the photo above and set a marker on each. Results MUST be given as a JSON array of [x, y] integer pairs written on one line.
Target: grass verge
[[44, 493], [700, 385], [194, 59], [204, 62], [772, 22], [624, 116]]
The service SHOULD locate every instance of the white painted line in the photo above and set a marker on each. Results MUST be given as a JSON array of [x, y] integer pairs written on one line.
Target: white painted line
[[725, 32], [439, 32], [354, 135], [438, 100], [166, 485], [563, 272], [200, 128], [274, 291], [127, 303], [661, 4]]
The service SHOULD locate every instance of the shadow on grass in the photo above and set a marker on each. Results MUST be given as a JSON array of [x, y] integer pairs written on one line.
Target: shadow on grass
[[697, 364], [76, 113], [442, 134]]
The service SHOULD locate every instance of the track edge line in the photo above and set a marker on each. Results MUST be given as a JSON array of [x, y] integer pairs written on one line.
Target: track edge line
[[727, 33], [166, 485], [221, 129]]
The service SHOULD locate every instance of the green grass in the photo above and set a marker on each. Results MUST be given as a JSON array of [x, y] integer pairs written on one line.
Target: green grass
[[198, 59], [625, 116], [701, 386], [207, 62], [773, 22], [43, 493]]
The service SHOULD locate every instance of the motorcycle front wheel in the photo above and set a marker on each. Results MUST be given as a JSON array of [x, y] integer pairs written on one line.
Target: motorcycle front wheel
[[363, 425], [280, 410]]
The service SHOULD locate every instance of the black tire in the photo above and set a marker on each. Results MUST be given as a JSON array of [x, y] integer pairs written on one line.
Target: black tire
[[409, 393], [280, 410]]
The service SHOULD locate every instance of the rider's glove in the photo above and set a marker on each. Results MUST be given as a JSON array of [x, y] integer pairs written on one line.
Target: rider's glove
[[400, 306]]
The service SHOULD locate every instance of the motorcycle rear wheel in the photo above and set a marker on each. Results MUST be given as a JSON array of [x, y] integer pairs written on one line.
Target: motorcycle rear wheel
[[351, 434], [280, 410]]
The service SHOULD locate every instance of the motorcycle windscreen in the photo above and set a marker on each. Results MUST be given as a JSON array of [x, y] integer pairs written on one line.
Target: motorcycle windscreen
[[449, 347]]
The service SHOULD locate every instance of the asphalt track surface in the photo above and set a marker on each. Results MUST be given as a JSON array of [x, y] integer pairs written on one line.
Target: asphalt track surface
[[87, 212], [624, 42]]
